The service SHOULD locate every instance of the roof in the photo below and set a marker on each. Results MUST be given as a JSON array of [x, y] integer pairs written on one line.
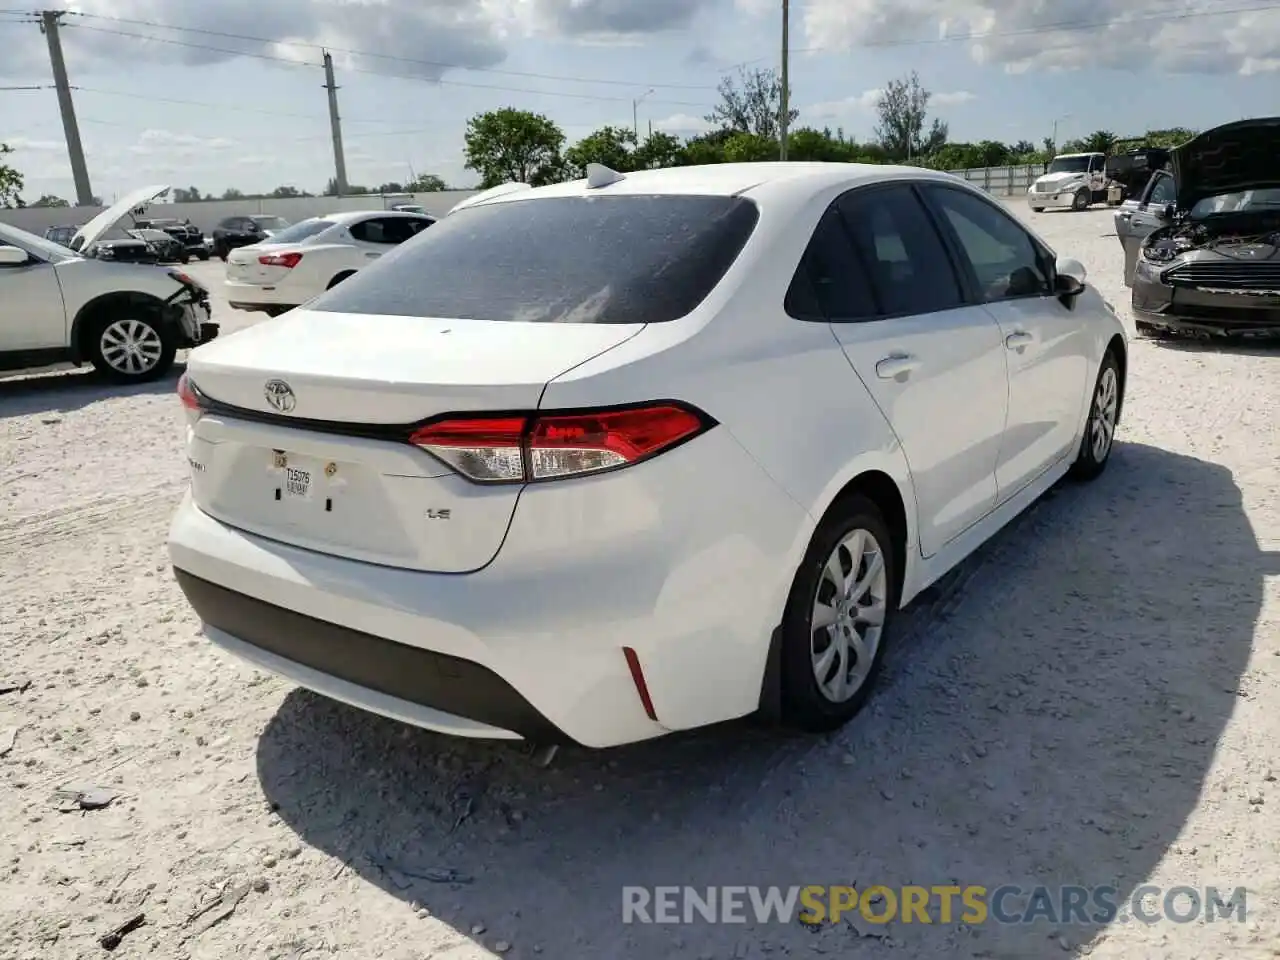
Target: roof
[[1087, 153], [347, 216], [729, 179]]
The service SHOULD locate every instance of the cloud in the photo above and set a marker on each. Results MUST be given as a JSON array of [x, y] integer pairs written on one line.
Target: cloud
[[28, 145], [619, 17], [682, 124], [1023, 35], [165, 143], [439, 32], [952, 99], [842, 109]]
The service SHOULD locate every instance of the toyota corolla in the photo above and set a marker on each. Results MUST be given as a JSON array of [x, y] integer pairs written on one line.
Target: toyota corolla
[[603, 460]]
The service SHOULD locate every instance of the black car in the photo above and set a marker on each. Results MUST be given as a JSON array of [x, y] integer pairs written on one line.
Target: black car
[[168, 249], [184, 231], [124, 249], [241, 231], [1132, 164], [1202, 243]]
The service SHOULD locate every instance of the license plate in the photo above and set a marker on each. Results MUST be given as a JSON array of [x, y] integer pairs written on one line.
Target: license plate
[[297, 483]]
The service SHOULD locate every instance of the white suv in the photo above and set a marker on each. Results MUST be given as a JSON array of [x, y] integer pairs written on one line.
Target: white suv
[[127, 319], [606, 459]]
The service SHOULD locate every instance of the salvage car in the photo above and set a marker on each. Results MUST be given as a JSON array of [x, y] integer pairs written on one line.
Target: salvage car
[[308, 258], [538, 473], [184, 232], [168, 249], [61, 234], [1206, 263], [127, 319]]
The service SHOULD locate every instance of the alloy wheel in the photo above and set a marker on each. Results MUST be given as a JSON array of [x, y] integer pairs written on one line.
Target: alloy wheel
[[1103, 421], [848, 615], [131, 347]]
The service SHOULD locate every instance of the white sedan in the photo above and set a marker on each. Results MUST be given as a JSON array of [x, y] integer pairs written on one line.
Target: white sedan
[[602, 460], [308, 258]]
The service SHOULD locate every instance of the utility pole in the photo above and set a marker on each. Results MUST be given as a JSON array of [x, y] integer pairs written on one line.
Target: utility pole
[[785, 118], [49, 23], [335, 126], [635, 112]]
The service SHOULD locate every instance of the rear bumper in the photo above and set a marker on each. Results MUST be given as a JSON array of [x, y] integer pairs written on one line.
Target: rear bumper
[[251, 296], [409, 683], [693, 579]]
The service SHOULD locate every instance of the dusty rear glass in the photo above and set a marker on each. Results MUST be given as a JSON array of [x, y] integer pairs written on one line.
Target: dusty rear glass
[[622, 259], [302, 231]]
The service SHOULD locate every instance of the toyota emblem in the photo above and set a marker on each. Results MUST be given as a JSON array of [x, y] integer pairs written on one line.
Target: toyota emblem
[[280, 395]]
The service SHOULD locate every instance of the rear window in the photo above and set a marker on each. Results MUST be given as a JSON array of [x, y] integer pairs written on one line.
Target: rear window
[[627, 259], [302, 231]]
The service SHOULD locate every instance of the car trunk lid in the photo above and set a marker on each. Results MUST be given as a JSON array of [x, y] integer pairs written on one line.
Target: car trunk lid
[[305, 435]]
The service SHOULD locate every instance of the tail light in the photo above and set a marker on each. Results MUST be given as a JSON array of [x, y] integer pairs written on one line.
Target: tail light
[[189, 395], [521, 448], [287, 260]]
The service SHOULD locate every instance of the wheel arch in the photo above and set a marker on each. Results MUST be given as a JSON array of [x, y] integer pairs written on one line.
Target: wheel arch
[[339, 277], [897, 506], [82, 324], [1118, 348]]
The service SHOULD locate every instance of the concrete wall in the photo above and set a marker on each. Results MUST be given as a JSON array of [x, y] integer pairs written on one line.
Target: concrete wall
[[206, 215]]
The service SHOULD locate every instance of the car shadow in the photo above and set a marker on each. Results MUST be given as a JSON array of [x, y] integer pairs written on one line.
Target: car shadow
[[1048, 717], [68, 389]]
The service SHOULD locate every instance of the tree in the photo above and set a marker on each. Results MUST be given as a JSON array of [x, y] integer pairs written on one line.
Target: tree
[[285, 192], [902, 109], [1100, 141], [751, 103], [425, 183], [231, 193], [188, 195], [11, 181], [658, 150], [49, 200], [391, 187], [749, 148], [513, 145], [615, 147]]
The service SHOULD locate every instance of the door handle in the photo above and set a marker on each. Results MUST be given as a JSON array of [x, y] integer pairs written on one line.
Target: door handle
[[895, 367], [1020, 340]]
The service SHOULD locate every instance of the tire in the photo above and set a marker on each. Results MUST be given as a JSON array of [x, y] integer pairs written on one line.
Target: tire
[[203, 256], [153, 345], [854, 523], [1081, 200], [339, 278], [1099, 432], [184, 259]]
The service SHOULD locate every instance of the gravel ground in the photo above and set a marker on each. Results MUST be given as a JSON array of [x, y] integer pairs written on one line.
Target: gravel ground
[[1085, 703]]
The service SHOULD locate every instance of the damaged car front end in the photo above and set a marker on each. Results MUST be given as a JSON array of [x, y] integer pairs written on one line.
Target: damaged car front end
[[1213, 268]]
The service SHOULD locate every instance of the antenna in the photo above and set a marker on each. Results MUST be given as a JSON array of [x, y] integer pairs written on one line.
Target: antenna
[[598, 175]]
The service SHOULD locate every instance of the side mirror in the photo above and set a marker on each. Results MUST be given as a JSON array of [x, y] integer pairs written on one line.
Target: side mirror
[[13, 256], [1070, 277]]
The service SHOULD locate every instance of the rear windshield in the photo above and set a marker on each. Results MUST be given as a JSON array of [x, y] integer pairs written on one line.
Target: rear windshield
[[622, 259], [301, 231], [270, 223]]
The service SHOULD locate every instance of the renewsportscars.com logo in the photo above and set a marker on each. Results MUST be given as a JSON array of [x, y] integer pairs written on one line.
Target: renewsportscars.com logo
[[972, 905]]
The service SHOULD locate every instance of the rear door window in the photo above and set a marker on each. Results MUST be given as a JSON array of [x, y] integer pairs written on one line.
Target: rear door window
[[910, 269], [830, 283], [618, 259]]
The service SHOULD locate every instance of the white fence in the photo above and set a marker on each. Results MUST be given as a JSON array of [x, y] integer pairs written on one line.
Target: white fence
[[1003, 181], [207, 214]]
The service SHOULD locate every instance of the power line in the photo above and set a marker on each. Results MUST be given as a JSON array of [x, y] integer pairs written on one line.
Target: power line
[[224, 106], [375, 73], [387, 56]]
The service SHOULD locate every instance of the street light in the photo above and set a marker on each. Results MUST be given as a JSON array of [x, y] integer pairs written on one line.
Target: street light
[[635, 111], [1065, 116]]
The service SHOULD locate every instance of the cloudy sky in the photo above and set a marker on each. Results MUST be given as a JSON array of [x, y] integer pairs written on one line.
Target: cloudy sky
[[227, 93]]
